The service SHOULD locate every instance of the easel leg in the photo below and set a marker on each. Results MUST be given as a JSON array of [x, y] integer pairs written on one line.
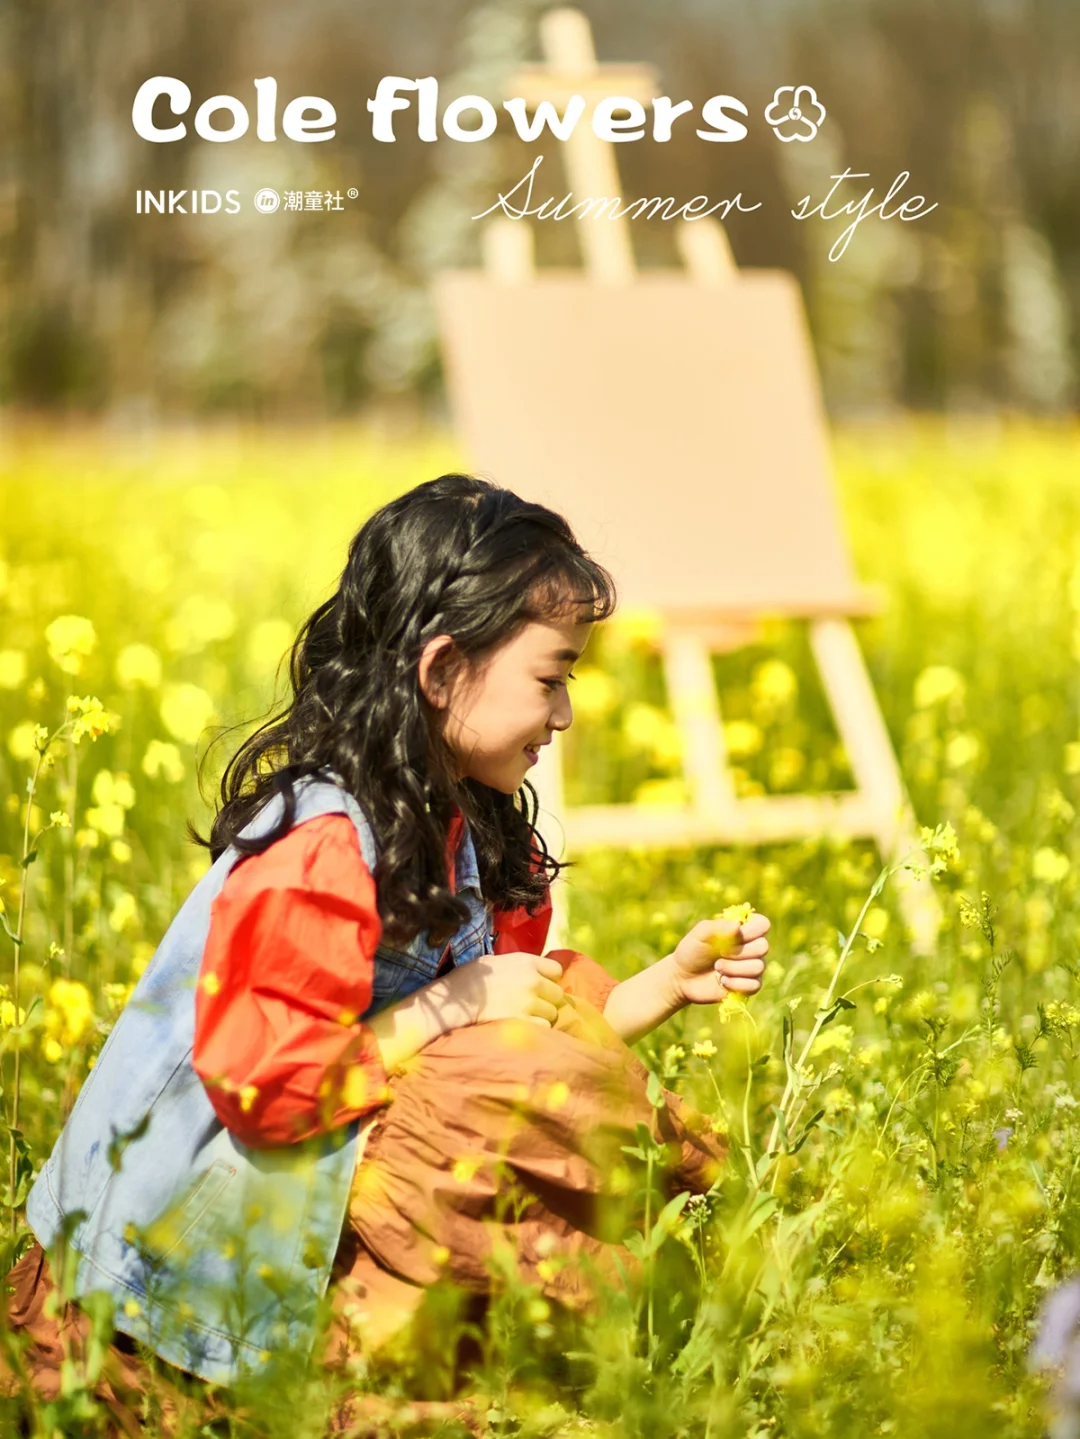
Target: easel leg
[[873, 761]]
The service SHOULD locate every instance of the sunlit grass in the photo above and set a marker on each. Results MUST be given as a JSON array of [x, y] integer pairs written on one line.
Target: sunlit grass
[[888, 1282]]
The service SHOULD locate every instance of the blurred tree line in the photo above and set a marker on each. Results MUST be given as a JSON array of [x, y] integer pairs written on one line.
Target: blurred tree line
[[975, 306]]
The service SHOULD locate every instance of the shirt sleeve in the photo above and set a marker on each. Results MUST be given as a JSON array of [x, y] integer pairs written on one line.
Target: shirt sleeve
[[286, 973], [516, 931]]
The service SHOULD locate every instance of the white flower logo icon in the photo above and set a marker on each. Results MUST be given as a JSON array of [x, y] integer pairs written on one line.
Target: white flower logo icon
[[790, 118]]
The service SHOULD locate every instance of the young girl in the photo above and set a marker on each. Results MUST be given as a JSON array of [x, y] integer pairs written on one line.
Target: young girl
[[349, 1062]]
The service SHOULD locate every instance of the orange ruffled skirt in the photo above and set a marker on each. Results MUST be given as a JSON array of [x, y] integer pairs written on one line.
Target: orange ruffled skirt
[[507, 1134]]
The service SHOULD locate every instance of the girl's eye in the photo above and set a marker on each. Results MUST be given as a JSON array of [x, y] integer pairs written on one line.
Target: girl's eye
[[554, 684]]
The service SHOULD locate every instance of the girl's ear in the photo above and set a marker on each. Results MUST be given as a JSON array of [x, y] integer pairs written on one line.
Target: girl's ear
[[431, 671]]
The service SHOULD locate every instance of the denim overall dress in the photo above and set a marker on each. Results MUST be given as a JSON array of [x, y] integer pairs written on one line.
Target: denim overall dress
[[216, 1255]]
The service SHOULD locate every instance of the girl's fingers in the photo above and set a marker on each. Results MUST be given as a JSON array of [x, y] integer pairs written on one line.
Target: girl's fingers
[[758, 950], [754, 927], [543, 1010], [548, 990], [744, 967], [742, 986]]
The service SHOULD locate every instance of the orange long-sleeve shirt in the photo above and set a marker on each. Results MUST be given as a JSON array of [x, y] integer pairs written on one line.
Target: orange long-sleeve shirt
[[287, 971]]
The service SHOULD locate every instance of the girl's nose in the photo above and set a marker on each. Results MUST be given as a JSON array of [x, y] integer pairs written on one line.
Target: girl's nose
[[562, 716]]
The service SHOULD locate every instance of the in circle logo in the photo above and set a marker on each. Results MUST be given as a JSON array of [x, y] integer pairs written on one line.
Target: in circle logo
[[796, 113], [267, 201]]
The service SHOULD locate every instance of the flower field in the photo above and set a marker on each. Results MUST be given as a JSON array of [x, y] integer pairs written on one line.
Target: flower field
[[904, 1132]]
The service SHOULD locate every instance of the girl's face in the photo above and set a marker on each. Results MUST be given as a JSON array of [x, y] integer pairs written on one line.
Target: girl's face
[[498, 716]]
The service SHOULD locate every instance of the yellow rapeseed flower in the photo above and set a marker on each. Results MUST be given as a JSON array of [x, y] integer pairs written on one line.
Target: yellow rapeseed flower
[[200, 620], [186, 710], [742, 738], [8, 1017], [113, 789], [940, 845], [876, 922], [836, 1037], [650, 730], [21, 741], [936, 683], [12, 669], [962, 749], [162, 760], [70, 1010], [107, 819], [124, 910], [90, 718], [773, 684], [595, 693], [1049, 865], [138, 665], [70, 639], [734, 1004], [786, 765]]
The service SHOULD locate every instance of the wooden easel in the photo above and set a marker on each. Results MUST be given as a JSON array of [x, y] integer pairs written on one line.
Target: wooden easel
[[499, 391]]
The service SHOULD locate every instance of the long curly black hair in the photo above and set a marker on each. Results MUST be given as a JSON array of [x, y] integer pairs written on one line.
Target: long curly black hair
[[459, 556]]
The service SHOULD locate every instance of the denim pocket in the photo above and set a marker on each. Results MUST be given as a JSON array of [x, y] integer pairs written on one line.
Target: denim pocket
[[177, 1227]]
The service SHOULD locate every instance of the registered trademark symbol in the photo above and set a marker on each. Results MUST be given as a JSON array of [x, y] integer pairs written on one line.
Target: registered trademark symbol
[[353, 194]]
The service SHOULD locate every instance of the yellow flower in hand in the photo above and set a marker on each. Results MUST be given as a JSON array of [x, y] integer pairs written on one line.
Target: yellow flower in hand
[[721, 954]]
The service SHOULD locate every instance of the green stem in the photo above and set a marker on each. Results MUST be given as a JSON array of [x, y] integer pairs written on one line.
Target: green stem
[[651, 1258], [17, 944], [830, 994], [69, 864], [747, 1088]]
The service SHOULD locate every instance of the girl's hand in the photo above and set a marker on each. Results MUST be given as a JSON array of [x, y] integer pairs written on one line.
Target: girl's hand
[[505, 986], [718, 955]]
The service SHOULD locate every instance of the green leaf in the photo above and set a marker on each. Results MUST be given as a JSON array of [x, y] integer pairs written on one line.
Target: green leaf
[[654, 1091], [781, 1132], [120, 1141], [789, 1048], [804, 1133], [747, 1224], [28, 861], [828, 1015], [635, 1242], [665, 1220]]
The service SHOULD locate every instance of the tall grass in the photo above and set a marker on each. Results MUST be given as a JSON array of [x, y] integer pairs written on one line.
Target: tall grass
[[872, 1261]]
